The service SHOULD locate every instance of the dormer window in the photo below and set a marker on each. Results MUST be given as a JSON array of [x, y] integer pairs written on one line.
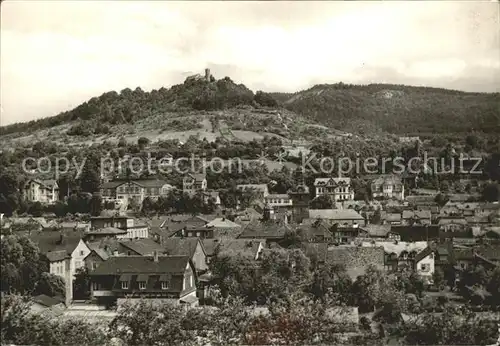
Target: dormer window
[[142, 285], [164, 285], [124, 285]]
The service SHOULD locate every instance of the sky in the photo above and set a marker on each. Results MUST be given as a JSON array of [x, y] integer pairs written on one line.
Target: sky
[[55, 55]]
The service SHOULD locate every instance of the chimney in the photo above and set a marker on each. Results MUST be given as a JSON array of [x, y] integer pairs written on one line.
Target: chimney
[[155, 256], [207, 74], [68, 283]]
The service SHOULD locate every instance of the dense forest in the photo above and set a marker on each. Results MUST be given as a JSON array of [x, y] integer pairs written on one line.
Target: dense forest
[[396, 108]]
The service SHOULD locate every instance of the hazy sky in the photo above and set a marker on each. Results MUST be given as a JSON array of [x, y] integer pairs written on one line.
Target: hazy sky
[[57, 54]]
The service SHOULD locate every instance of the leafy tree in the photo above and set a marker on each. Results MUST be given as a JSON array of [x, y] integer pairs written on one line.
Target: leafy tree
[[90, 179], [96, 205], [145, 323], [455, 326], [331, 280], [265, 99], [21, 264], [50, 285], [20, 326], [438, 278], [81, 284], [323, 202], [143, 142], [491, 192]]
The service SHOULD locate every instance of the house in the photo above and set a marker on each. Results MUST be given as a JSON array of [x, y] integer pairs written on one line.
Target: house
[[416, 217], [390, 218], [104, 233], [191, 247], [191, 183], [424, 264], [271, 230], [487, 255], [460, 208], [137, 190], [377, 231], [211, 195], [43, 191], [452, 223], [399, 254], [338, 188], [342, 217], [278, 200], [128, 224], [346, 235], [96, 256], [315, 230], [158, 277], [388, 187], [415, 232], [65, 253]]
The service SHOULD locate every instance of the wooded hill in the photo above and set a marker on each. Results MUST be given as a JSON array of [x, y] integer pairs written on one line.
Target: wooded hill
[[364, 109]]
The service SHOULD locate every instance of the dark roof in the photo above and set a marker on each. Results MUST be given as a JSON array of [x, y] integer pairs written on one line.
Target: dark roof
[[142, 265], [180, 246], [423, 254], [48, 241], [104, 245], [416, 232], [56, 256], [142, 247]]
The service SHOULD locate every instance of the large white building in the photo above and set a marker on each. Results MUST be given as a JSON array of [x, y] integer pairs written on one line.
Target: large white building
[[136, 190], [387, 187], [43, 191], [338, 188]]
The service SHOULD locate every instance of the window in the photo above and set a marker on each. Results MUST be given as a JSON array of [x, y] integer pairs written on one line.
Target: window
[[82, 252], [124, 285], [425, 267], [94, 265], [142, 285], [191, 281], [164, 285], [95, 286]]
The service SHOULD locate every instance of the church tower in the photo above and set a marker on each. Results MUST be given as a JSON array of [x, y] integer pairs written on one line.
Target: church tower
[[300, 200]]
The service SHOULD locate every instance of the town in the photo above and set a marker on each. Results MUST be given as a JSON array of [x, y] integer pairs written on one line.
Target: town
[[145, 239], [348, 193]]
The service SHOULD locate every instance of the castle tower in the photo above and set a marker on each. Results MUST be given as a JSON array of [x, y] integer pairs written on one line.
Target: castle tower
[[207, 74], [300, 197]]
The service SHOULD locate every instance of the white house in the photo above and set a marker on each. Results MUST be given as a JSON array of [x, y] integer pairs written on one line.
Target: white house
[[43, 191], [338, 188], [278, 200]]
